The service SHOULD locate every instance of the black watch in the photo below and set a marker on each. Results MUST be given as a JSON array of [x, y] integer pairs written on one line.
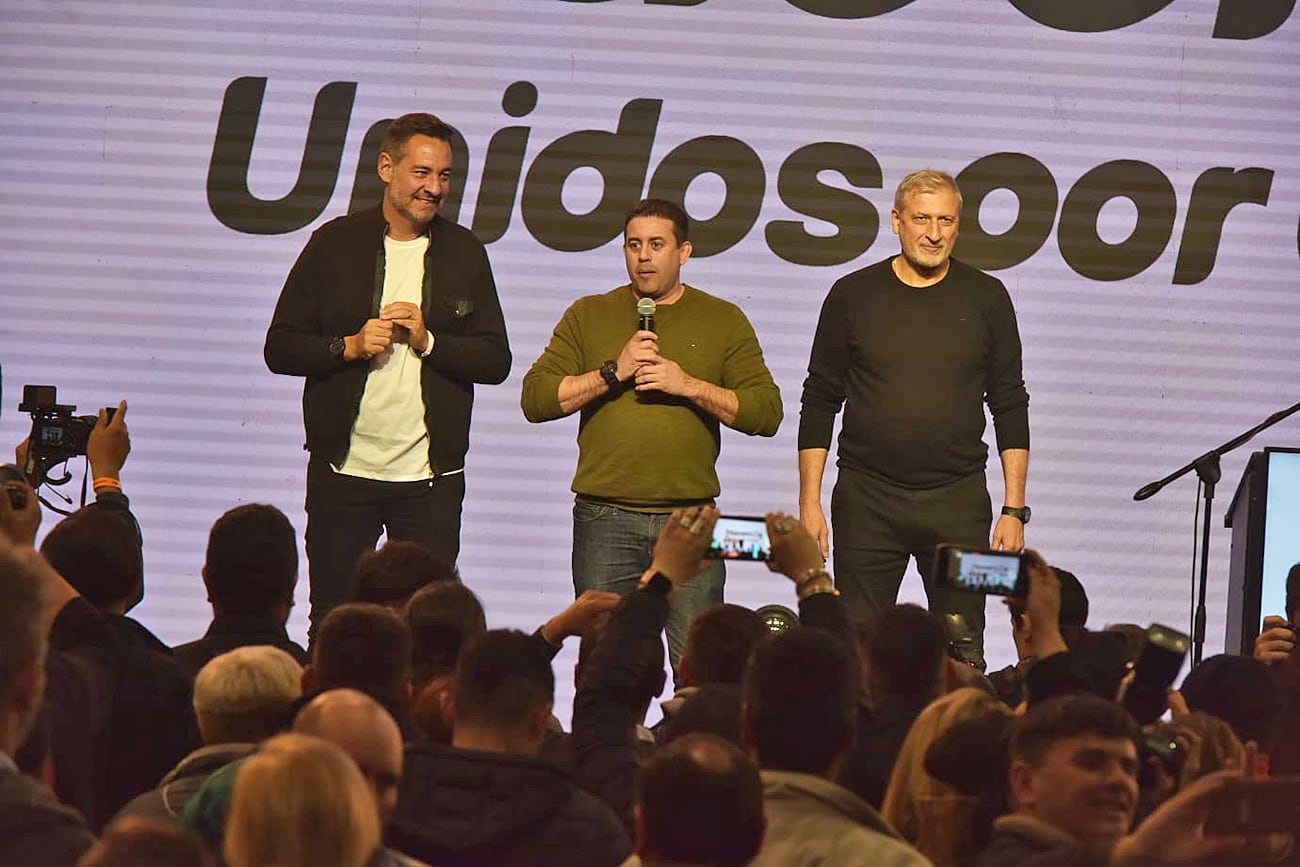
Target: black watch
[[1022, 514], [337, 347], [609, 373]]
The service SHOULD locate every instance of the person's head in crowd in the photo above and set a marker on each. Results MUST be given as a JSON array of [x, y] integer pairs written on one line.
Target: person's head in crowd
[[251, 565], [718, 644], [906, 653], [504, 690], [713, 709], [799, 702], [390, 575], [650, 678], [361, 727], [973, 755], [1074, 765], [246, 695], [699, 801], [1238, 690], [1220, 749], [301, 802], [931, 814], [1100, 661], [22, 649], [443, 617], [135, 841], [362, 646], [1072, 619], [1133, 637], [97, 550]]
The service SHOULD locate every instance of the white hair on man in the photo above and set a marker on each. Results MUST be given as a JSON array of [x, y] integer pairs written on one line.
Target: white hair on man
[[245, 695], [925, 181]]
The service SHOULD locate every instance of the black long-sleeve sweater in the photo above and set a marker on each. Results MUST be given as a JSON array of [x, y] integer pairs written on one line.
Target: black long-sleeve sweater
[[912, 367]]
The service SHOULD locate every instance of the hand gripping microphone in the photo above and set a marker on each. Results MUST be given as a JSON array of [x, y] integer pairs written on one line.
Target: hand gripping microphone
[[645, 310]]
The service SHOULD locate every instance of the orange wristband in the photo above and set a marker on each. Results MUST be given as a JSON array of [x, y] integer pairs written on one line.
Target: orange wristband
[[107, 482]]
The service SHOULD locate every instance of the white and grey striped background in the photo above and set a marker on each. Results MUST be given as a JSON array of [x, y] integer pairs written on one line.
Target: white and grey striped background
[[117, 280]]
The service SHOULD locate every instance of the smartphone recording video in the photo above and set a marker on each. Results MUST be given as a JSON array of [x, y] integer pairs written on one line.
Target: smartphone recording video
[[1248, 807], [740, 538], [979, 570]]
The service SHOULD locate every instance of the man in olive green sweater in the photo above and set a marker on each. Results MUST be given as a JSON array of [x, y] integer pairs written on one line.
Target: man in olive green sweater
[[651, 402]]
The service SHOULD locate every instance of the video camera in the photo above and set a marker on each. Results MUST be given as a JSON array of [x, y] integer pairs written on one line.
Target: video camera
[[57, 434]]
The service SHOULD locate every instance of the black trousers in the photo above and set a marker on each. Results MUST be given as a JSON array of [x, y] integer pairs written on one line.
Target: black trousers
[[345, 515], [877, 526]]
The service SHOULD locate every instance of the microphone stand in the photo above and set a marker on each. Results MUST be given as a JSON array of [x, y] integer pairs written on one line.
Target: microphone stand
[[1208, 471]]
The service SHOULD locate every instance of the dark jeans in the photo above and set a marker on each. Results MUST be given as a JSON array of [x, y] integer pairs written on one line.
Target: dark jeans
[[877, 526], [345, 515], [613, 547]]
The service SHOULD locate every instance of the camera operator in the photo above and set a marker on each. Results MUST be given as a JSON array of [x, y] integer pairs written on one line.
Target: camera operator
[[98, 550], [106, 451]]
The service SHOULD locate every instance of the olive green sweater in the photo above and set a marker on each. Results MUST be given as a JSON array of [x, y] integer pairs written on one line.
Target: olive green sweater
[[650, 451]]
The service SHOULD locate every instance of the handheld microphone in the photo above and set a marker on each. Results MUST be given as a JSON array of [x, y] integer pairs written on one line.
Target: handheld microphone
[[645, 311]]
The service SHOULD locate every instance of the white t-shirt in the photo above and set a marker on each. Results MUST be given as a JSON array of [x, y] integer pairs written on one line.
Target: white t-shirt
[[390, 442]]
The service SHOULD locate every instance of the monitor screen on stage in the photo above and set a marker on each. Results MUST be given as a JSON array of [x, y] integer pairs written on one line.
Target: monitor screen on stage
[[1281, 529]]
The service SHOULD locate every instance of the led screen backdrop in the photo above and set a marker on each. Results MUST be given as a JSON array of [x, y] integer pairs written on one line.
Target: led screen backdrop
[[1130, 171]]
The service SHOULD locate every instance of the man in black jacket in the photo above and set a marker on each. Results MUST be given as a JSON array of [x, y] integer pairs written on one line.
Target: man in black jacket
[[392, 316], [250, 570], [488, 799]]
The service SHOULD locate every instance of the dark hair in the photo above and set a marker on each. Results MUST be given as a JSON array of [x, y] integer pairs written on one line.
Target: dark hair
[[392, 574], [800, 700], [97, 549], [904, 648], [1239, 690], [365, 647], [22, 624], [501, 678], [1074, 599], [442, 617], [1132, 639], [663, 209], [1068, 716], [719, 642], [714, 709], [702, 802], [401, 130], [1293, 594], [252, 560], [137, 841]]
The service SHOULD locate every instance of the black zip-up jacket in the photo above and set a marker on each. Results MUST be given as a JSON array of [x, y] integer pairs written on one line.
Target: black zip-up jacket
[[337, 284]]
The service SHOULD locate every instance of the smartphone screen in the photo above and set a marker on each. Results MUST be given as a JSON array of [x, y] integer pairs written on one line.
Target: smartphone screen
[[740, 538], [998, 573]]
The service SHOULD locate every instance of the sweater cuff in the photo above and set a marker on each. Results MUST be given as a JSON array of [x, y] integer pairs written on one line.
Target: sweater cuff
[[1011, 428]]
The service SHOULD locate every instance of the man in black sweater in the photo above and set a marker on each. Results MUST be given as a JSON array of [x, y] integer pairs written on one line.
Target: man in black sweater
[[911, 347]]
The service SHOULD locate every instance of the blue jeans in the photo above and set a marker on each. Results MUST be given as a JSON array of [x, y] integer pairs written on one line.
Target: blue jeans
[[613, 547]]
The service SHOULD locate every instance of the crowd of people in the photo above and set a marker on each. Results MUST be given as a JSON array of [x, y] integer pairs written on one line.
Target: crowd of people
[[413, 734]]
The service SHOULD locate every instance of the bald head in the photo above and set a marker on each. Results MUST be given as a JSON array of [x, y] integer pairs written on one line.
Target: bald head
[[362, 728]]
